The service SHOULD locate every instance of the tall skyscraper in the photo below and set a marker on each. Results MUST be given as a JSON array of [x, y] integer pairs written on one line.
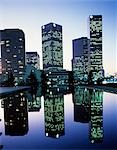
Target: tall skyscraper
[[80, 62], [33, 59], [52, 48], [96, 63], [13, 52]]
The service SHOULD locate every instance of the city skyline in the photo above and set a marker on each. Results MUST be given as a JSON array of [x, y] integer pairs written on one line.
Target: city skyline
[[73, 16]]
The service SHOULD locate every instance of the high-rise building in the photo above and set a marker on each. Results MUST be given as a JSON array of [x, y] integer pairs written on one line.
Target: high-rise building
[[52, 48], [33, 59], [13, 52], [80, 62], [96, 63]]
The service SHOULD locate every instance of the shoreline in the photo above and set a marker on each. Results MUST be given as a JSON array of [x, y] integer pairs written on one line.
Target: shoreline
[[9, 90], [101, 87]]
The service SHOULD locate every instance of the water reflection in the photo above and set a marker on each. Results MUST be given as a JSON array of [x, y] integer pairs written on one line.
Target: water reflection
[[81, 102], [15, 114], [88, 108], [54, 114], [34, 99], [96, 125], [1, 146]]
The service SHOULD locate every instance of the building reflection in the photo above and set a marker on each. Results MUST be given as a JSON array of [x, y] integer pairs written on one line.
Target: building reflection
[[15, 114], [54, 114], [81, 102], [96, 125], [34, 99], [88, 108], [1, 146]]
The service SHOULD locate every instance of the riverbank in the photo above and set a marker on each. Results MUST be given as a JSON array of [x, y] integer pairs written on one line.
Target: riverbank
[[106, 88], [9, 90]]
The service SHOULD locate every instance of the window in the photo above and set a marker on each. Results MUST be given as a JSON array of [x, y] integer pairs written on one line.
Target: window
[[21, 67], [20, 39], [14, 56], [8, 50], [15, 70], [7, 45]]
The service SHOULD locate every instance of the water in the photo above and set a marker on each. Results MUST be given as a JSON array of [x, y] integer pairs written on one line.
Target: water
[[83, 119]]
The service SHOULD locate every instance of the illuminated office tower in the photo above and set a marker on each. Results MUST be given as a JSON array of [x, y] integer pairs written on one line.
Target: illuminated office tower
[[80, 61], [54, 115], [13, 52], [96, 125], [96, 62], [52, 48], [15, 114], [33, 59]]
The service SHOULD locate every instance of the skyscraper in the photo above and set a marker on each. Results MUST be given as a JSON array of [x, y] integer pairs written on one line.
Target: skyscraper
[[52, 48], [13, 52], [96, 64], [32, 58], [80, 62]]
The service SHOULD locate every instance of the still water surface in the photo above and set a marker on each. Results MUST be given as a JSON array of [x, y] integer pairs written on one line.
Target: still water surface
[[83, 119]]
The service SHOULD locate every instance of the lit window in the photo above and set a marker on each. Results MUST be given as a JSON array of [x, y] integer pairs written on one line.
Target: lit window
[[2, 42], [43, 27], [20, 72], [54, 24], [21, 67], [21, 46], [7, 41], [20, 39], [9, 68], [7, 45], [57, 136], [15, 70], [46, 134], [14, 56], [8, 50]]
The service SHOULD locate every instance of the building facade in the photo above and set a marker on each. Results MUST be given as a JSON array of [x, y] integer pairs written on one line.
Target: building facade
[[80, 62], [52, 48], [33, 59], [13, 52], [96, 61]]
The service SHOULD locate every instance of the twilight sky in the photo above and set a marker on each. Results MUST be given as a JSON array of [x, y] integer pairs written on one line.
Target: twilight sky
[[30, 15]]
